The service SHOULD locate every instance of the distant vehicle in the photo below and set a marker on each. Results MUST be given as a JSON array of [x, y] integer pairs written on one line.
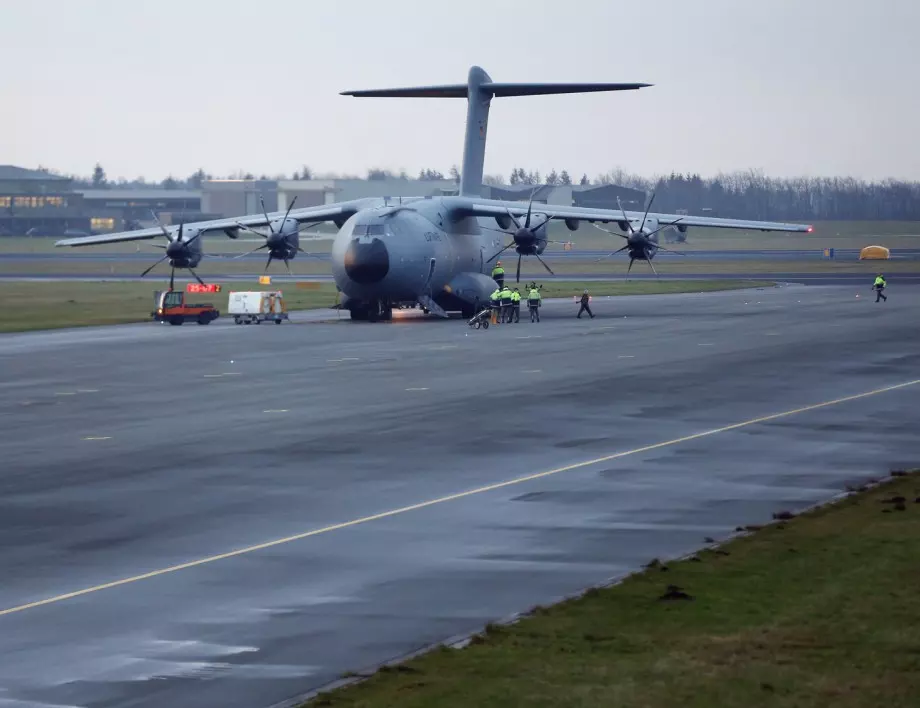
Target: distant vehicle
[[257, 307], [172, 307]]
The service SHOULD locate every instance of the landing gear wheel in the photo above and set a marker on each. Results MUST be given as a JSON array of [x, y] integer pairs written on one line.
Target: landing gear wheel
[[359, 315], [236, 319]]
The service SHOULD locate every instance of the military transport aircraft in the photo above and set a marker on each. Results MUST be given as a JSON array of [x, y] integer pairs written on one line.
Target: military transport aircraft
[[436, 251]]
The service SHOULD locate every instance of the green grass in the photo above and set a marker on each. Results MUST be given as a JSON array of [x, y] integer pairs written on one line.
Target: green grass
[[49, 305], [36, 305], [822, 610]]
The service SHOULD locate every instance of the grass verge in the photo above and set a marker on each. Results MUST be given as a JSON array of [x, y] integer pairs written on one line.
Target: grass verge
[[50, 305], [815, 611]]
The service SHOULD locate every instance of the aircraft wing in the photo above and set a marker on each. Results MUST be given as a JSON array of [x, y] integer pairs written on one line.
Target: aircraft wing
[[471, 206], [319, 214]]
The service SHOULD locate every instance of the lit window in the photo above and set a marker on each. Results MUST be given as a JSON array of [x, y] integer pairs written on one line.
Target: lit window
[[5, 202], [22, 202], [99, 223]]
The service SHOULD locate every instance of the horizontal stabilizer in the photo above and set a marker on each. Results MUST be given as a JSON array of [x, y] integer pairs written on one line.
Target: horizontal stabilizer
[[496, 89]]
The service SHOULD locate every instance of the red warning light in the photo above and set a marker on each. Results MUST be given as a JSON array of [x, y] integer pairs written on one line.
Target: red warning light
[[810, 229], [199, 288]]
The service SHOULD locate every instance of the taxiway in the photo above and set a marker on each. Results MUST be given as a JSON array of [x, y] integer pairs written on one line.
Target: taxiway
[[236, 516]]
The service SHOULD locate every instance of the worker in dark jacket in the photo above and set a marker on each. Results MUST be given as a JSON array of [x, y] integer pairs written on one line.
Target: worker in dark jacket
[[585, 305]]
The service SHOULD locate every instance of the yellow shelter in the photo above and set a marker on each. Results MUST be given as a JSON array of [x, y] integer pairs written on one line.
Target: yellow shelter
[[874, 253]]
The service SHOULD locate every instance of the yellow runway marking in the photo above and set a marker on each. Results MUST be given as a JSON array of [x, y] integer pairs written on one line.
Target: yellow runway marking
[[451, 497]]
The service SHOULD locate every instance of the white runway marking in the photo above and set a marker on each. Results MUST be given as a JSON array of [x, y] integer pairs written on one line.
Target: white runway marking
[[452, 497]]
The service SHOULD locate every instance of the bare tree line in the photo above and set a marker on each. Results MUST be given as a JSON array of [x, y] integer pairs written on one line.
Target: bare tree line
[[747, 194]]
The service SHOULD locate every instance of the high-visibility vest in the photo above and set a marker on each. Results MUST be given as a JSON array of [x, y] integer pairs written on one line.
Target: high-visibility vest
[[498, 270], [506, 296], [495, 297], [515, 297], [880, 281], [534, 294]]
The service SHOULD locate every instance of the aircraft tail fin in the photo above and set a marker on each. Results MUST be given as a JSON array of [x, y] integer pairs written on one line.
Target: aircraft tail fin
[[479, 91]]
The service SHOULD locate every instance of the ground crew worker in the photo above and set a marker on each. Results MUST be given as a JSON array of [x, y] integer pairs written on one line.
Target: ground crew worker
[[585, 307], [879, 287], [534, 299], [506, 304], [495, 302], [498, 275], [516, 304]]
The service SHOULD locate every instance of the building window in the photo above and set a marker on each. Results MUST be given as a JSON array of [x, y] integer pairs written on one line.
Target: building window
[[5, 202], [100, 223]]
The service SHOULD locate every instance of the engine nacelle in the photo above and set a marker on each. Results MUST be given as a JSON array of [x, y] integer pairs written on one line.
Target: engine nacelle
[[572, 224], [503, 221]]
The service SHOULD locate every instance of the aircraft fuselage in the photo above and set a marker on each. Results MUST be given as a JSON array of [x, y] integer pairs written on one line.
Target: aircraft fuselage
[[387, 256]]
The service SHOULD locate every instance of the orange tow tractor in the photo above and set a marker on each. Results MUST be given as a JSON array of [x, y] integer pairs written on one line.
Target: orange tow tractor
[[172, 306]]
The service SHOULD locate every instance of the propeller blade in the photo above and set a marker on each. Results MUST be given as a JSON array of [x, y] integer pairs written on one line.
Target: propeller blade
[[651, 265], [517, 278], [288, 266], [262, 202], [181, 226], [268, 262], [529, 207], [154, 266], [660, 228], [162, 228], [612, 254], [249, 253], [612, 233], [196, 276], [628, 225], [290, 206], [645, 216], [517, 224], [257, 233], [500, 252], [631, 261], [544, 264], [196, 236], [172, 278]]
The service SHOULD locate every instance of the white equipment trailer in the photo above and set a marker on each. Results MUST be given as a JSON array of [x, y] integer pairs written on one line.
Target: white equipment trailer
[[257, 307]]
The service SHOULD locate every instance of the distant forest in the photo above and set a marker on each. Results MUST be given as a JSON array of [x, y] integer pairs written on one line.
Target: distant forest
[[745, 194]]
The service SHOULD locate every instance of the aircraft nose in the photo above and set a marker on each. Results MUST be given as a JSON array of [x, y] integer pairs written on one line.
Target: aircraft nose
[[367, 263]]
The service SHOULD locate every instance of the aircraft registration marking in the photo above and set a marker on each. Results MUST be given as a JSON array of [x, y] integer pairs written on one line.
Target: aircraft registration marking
[[451, 497]]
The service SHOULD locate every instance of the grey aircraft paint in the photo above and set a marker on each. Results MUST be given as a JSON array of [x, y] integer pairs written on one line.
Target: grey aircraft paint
[[438, 252]]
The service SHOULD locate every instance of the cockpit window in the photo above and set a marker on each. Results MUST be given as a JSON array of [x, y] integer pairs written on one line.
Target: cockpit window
[[369, 230]]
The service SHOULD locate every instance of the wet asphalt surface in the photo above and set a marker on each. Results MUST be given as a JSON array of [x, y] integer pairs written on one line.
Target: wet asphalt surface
[[131, 450]]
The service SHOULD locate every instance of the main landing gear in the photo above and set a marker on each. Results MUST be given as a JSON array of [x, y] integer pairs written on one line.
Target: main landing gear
[[374, 312]]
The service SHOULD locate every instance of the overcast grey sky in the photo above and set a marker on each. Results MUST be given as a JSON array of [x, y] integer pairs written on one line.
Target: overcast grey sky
[[152, 87]]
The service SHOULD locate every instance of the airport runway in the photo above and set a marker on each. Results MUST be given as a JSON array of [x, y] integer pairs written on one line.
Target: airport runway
[[246, 513]]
